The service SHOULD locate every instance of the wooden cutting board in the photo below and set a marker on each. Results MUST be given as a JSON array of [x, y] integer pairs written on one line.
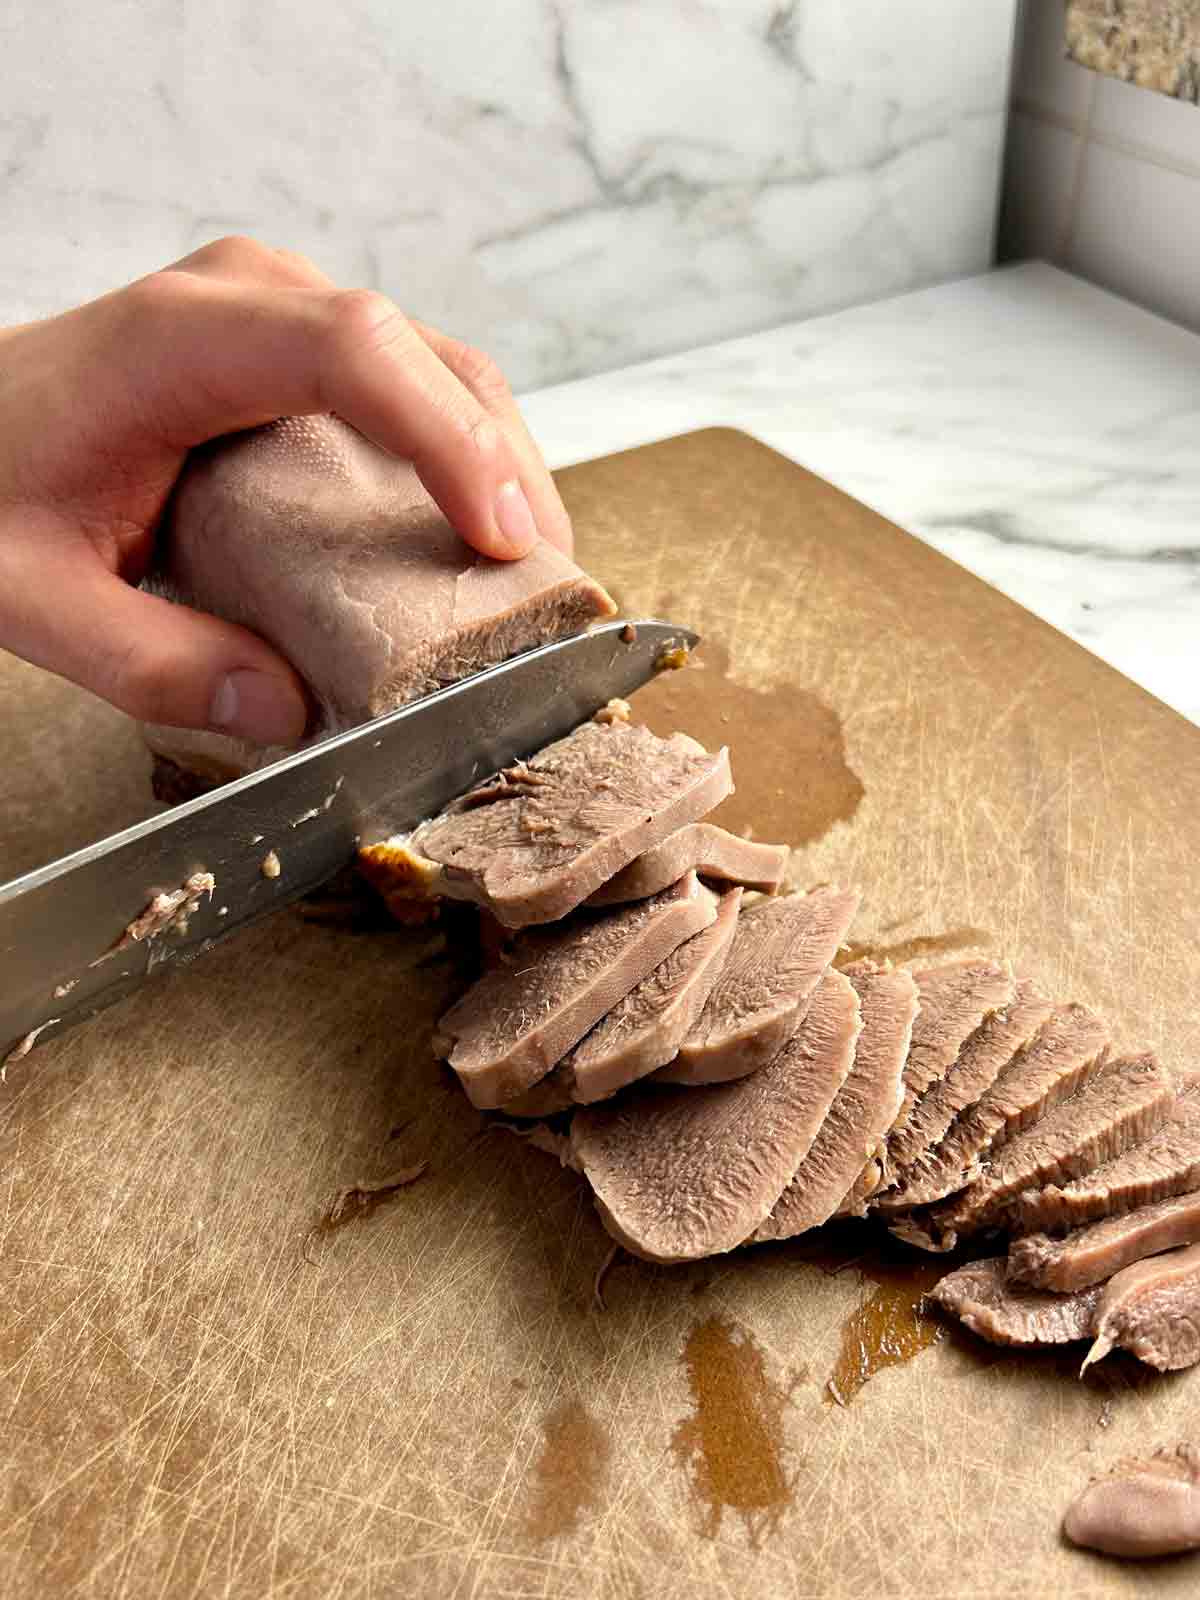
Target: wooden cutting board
[[208, 1392]]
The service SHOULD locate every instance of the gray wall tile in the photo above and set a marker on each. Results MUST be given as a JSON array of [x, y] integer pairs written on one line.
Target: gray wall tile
[[1123, 206], [1154, 125], [1137, 230]]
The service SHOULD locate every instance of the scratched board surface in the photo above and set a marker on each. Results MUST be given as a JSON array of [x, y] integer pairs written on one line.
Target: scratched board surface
[[209, 1388]]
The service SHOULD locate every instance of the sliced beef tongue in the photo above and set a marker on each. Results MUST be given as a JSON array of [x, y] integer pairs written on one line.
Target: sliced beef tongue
[[642, 1031], [536, 840], [1165, 1164], [780, 951], [682, 1173], [982, 1058], [1126, 1100], [955, 1000], [1152, 1310], [712, 852], [332, 549], [982, 1298], [1143, 1508], [1061, 1056], [1094, 1252], [862, 1110], [521, 1018]]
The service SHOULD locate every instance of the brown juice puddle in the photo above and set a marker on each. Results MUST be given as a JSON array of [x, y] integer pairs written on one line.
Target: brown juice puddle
[[788, 748], [909, 949], [570, 1472], [732, 1444], [888, 1329]]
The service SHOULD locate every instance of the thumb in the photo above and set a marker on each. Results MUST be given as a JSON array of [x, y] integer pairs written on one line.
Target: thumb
[[166, 663], [156, 660]]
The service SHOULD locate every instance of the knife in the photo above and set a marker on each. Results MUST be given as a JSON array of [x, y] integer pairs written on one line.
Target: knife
[[62, 958]]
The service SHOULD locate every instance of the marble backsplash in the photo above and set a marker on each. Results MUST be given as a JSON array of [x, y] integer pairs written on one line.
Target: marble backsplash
[[573, 184]]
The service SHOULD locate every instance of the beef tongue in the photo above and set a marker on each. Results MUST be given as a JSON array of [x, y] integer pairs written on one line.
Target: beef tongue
[[537, 839], [863, 1108], [521, 1018], [980, 1061], [332, 549], [709, 851], [1127, 1099], [983, 1299], [1165, 1164], [1061, 1056], [643, 1030], [1153, 1310], [679, 1173], [1142, 1509], [955, 1000], [1094, 1252], [780, 951]]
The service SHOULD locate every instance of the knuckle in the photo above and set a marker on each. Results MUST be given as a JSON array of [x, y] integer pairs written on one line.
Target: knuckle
[[296, 259], [236, 250], [479, 372], [488, 441], [364, 320], [159, 293]]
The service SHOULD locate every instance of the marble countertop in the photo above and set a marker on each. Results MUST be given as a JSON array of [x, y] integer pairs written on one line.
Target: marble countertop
[[1040, 431]]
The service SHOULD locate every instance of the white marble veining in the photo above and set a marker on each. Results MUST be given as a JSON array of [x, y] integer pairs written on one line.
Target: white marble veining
[[1038, 430], [573, 184]]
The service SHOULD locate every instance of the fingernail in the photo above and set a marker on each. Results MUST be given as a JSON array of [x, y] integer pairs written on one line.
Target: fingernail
[[514, 519], [258, 706]]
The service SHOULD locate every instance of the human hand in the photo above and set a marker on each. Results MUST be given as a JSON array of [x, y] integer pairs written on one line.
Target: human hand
[[99, 407]]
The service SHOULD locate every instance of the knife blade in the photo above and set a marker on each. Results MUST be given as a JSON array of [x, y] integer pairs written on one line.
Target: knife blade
[[61, 926]]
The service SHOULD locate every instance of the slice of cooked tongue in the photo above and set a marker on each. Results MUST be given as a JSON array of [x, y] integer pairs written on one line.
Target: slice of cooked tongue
[[780, 951], [644, 1029], [712, 852], [1092, 1253], [521, 1018], [682, 1173], [1126, 1100], [1142, 1509], [863, 1109], [955, 1000], [331, 549], [1060, 1057], [982, 1299], [1165, 1164], [982, 1058], [1153, 1310], [536, 840]]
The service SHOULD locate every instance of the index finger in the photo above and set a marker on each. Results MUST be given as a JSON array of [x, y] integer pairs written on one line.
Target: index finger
[[203, 356]]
